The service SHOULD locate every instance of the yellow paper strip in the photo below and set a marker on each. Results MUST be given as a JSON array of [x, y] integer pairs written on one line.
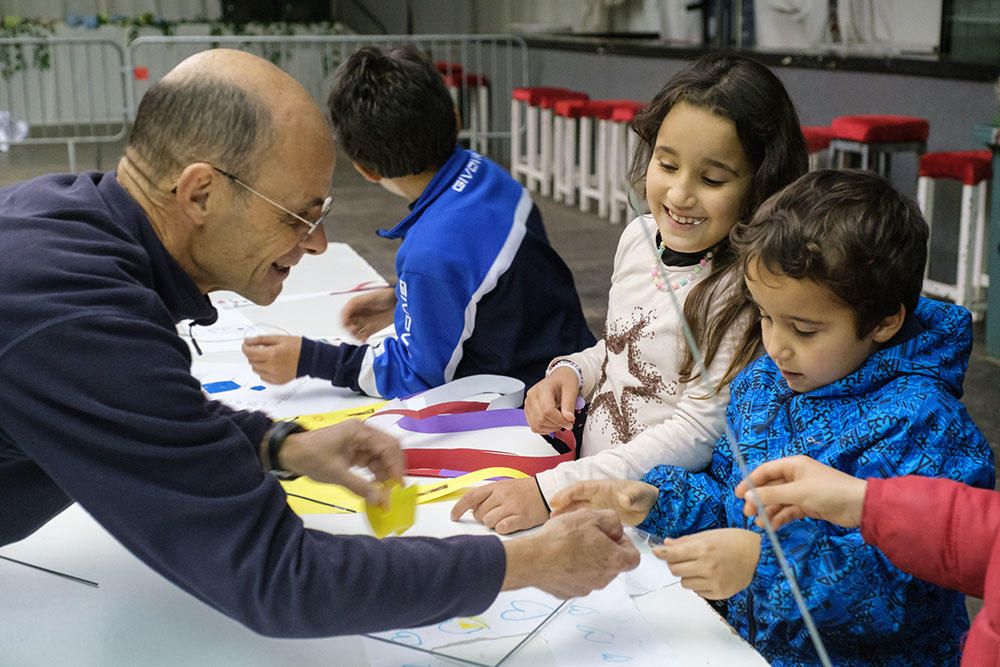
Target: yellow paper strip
[[427, 493], [307, 496], [335, 499], [322, 419]]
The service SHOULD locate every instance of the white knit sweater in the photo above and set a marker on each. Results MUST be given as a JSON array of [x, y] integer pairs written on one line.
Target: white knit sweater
[[640, 414]]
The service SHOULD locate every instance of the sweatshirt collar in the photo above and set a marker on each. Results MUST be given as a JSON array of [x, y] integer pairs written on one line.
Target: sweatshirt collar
[[175, 287], [442, 180]]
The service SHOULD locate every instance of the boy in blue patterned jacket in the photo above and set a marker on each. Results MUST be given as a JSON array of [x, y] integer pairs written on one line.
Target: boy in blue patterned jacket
[[861, 374], [480, 288]]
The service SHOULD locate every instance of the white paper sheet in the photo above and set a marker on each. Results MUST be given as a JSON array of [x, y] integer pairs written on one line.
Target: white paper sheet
[[605, 628], [484, 639], [248, 392]]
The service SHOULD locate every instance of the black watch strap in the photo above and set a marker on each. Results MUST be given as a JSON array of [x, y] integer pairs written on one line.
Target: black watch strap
[[275, 439]]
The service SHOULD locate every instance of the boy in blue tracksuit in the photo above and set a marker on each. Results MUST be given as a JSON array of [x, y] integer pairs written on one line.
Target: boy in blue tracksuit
[[480, 288], [861, 374]]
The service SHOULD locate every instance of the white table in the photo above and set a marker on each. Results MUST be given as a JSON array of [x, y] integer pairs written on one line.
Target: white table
[[136, 617]]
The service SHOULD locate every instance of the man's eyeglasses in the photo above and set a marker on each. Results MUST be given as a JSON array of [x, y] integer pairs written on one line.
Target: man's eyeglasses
[[310, 226]]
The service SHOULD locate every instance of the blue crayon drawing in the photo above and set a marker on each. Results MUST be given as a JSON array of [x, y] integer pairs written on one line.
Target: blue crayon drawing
[[613, 657], [525, 610], [463, 626], [406, 637], [580, 610], [595, 635]]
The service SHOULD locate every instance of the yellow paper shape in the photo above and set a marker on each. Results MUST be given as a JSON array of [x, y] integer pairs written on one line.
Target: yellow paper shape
[[427, 493], [307, 496], [322, 419], [400, 515]]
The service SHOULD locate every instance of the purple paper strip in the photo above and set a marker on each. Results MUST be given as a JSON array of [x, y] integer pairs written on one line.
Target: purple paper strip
[[466, 421]]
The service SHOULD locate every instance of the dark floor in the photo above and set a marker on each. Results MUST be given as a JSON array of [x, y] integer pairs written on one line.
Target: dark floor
[[586, 242]]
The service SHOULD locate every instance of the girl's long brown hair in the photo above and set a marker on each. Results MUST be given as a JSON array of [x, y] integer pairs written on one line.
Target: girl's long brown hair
[[751, 96]]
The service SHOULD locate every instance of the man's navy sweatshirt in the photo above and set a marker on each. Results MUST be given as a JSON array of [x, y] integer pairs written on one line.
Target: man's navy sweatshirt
[[98, 406]]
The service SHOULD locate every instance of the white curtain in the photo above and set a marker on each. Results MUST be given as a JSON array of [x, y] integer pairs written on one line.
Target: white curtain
[[791, 24]]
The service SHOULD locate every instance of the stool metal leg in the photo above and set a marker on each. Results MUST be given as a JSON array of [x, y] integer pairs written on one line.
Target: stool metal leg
[[545, 157], [964, 272], [586, 163], [602, 171], [516, 166], [531, 142]]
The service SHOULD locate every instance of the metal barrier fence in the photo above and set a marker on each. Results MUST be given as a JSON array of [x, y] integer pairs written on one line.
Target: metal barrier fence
[[72, 91], [481, 70], [68, 91]]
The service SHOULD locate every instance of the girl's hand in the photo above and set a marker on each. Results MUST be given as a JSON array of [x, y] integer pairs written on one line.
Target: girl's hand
[[715, 564], [274, 358], [369, 313], [506, 506], [798, 486], [630, 500], [550, 405]]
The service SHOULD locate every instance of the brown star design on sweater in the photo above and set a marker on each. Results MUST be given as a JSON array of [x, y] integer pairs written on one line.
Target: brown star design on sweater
[[621, 413]]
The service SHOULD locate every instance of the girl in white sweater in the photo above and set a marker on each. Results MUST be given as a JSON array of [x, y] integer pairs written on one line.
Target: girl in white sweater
[[719, 138]]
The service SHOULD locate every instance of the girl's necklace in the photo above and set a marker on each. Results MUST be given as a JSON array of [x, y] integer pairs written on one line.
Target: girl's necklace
[[660, 280]]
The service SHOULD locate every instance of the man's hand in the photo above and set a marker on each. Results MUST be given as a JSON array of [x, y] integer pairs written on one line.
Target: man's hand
[[715, 564], [327, 455], [506, 506], [630, 500], [550, 404], [571, 555], [369, 312], [274, 358], [798, 486]]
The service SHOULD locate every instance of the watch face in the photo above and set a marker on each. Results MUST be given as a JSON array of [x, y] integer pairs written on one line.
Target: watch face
[[284, 474]]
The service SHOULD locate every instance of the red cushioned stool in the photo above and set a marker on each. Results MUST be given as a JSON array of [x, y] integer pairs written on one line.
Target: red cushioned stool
[[817, 142], [974, 170], [448, 67], [621, 147], [531, 145], [580, 163], [877, 137], [592, 177], [471, 93]]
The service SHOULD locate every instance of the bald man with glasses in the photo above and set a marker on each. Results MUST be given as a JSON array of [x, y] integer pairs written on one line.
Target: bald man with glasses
[[223, 185]]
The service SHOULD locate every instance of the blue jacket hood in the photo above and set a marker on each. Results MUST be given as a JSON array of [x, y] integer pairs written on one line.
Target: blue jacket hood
[[938, 349]]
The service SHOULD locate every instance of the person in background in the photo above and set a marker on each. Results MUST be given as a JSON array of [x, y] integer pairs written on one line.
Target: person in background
[[860, 373], [719, 138], [480, 288], [223, 186]]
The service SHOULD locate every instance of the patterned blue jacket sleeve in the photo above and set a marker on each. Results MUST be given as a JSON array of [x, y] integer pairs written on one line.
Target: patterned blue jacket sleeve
[[849, 586], [688, 501]]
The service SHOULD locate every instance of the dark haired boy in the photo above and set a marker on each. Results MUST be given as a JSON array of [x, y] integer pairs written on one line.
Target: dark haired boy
[[861, 374], [480, 288]]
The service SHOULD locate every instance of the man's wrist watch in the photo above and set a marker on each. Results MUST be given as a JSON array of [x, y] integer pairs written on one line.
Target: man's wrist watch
[[276, 436]]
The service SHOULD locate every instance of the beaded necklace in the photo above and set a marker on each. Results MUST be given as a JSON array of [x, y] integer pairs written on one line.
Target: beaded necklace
[[657, 272]]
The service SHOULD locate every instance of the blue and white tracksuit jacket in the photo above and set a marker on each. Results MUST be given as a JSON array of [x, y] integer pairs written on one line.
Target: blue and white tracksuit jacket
[[480, 291], [899, 414]]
